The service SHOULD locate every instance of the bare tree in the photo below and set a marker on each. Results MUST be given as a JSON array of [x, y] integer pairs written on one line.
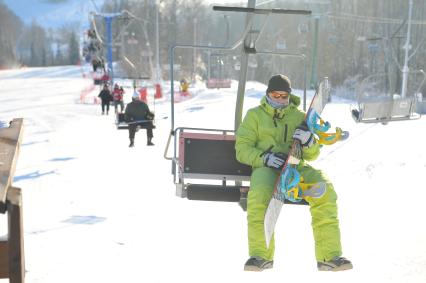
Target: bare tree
[[10, 30]]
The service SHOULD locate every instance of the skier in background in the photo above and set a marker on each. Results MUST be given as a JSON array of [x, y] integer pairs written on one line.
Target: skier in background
[[263, 141], [106, 98], [184, 86], [137, 113], [117, 94]]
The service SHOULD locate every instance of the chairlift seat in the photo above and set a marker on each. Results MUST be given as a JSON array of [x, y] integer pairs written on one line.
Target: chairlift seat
[[207, 156], [218, 83], [210, 156], [122, 124], [385, 110]]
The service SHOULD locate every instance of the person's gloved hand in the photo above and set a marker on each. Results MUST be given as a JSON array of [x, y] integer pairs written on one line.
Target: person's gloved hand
[[150, 116], [274, 160], [303, 135]]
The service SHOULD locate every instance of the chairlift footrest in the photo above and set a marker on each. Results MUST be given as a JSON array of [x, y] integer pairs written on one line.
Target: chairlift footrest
[[214, 192]]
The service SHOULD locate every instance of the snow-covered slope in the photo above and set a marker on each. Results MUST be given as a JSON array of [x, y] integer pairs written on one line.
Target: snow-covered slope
[[98, 211]]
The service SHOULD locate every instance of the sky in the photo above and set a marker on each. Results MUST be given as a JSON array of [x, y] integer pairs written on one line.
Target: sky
[[54, 14], [96, 210]]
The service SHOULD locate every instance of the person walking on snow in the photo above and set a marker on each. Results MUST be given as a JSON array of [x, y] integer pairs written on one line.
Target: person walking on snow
[[137, 113], [106, 98], [117, 94], [263, 141]]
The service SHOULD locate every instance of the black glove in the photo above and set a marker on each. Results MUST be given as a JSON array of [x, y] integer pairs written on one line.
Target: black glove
[[150, 116], [274, 160], [303, 135]]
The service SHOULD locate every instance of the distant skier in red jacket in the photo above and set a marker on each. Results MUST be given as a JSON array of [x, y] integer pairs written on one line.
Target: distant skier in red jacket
[[117, 94]]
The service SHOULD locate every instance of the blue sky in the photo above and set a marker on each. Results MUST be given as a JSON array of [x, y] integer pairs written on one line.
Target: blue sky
[[50, 14]]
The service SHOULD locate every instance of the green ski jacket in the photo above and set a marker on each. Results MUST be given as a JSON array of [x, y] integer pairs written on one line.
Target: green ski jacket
[[266, 128]]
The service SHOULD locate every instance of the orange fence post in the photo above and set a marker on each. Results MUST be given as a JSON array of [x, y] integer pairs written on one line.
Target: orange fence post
[[158, 93]]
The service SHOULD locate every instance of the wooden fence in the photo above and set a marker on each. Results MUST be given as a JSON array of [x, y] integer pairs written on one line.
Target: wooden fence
[[12, 264]]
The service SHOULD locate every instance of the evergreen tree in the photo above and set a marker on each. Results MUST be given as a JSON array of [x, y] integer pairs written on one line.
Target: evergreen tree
[[73, 49], [59, 58]]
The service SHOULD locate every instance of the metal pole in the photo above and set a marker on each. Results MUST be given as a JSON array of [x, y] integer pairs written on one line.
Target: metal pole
[[243, 70], [194, 54], [405, 69], [172, 88], [209, 53], [108, 23], [157, 44], [314, 55]]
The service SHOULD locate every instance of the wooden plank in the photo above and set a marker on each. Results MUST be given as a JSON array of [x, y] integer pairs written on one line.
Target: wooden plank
[[4, 259], [10, 141], [16, 236]]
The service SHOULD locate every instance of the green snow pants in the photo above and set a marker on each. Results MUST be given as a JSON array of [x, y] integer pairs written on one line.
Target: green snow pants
[[325, 224]]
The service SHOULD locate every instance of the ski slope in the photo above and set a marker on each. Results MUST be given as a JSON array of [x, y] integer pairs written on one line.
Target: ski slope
[[98, 211]]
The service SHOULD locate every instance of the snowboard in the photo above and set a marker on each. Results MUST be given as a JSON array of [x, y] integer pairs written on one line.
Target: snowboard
[[289, 184]]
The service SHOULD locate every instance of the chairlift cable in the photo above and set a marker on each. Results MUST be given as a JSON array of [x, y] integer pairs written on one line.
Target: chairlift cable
[[99, 37], [399, 28], [94, 5], [97, 34], [142, 23], [353, 17]]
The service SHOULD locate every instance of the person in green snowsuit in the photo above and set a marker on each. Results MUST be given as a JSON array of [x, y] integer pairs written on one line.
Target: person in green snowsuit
[[263, 141]]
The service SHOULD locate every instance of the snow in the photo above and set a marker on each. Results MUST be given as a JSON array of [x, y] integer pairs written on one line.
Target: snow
[[98, 211]]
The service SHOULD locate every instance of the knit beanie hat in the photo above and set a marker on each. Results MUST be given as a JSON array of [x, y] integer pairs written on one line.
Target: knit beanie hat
[[135, 96], [279, 83]]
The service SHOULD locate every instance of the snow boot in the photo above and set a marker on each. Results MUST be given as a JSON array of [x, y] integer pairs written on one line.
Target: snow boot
[[150, 142], [256, 263], [338, 263]]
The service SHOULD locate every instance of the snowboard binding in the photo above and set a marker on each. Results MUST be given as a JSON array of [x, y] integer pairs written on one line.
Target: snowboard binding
[[293, 188], [319, 128]]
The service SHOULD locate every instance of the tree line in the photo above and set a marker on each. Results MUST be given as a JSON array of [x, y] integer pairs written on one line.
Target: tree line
[[32, 45], [345, 40]]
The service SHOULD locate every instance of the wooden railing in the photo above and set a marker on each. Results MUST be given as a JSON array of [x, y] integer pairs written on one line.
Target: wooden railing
[[12, 247]]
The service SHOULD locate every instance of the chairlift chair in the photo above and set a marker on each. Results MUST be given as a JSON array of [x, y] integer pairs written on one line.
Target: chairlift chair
[[218, 176], [120, 119], [217, 77], [376, 102]]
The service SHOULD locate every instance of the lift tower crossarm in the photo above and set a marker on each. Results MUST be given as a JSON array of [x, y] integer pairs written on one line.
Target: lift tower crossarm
[[261, 11]]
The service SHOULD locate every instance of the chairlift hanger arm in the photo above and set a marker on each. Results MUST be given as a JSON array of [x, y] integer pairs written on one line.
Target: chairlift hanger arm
[[417, 48], [134, 16], [261, 11]]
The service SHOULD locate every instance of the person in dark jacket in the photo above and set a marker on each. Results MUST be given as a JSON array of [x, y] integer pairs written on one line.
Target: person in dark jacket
[[137, 113], [106, 98]]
